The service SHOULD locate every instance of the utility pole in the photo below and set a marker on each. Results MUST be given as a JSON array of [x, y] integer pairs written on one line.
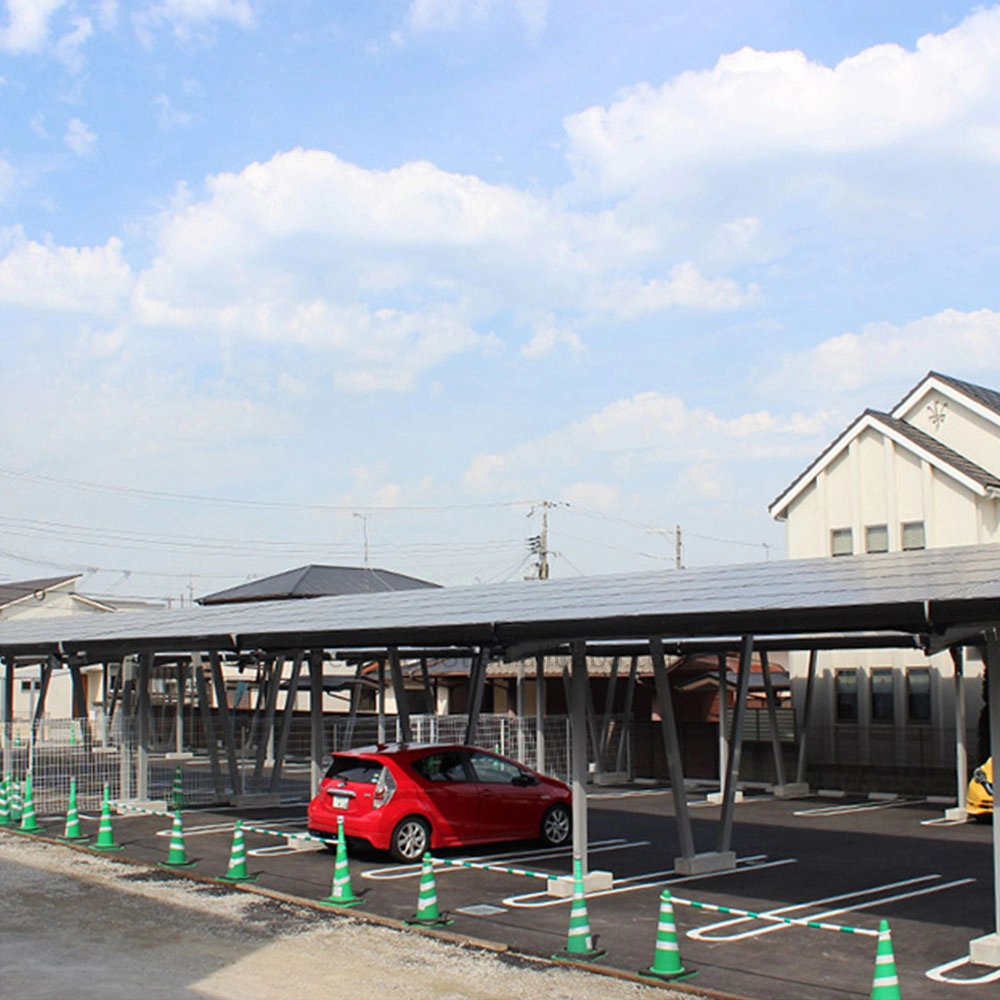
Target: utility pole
[[539, 544], [678, 548], [364, 522]]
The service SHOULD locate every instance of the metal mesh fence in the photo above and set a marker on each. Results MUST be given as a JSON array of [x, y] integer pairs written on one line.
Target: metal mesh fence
[[106, 753]]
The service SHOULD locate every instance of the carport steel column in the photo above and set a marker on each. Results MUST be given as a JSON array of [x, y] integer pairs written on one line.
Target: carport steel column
[[578, 772], [672, 746]]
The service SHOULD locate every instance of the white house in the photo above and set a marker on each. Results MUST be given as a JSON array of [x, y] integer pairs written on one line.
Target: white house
[[42, 598], [925, 474]]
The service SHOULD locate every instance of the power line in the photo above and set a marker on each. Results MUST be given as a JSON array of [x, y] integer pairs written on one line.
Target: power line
[[84, 485]]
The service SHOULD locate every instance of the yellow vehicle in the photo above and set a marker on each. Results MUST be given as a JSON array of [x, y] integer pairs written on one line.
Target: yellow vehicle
[[980, 804]]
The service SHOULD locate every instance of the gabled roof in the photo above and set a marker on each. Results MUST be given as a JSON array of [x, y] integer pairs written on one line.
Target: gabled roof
[[11, 593], [317, 581], [978, 397], [974, 477]]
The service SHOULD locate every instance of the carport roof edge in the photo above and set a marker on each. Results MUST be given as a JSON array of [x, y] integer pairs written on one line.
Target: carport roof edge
[[910, 592]]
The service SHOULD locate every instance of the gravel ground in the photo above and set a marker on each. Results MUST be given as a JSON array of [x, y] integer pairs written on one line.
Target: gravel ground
[[81, 925]]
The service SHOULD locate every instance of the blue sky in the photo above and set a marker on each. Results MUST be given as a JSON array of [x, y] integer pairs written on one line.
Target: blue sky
[[267, 266]]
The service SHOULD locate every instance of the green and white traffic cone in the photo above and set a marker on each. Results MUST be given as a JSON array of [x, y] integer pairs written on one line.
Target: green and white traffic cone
[[5, 819], [177, 795], [667, 957], [238, 859], [177, 855], [16, 801], [579, 942], [72, 734], [72, 831], [105, 835], [341, 893], [29, 823], [428, 914], [885, 983]]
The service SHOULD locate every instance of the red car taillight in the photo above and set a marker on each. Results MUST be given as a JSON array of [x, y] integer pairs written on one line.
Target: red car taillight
[[385, 788]]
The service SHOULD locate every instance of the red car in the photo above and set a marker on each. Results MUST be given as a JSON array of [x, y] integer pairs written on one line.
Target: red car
[[408, 799]]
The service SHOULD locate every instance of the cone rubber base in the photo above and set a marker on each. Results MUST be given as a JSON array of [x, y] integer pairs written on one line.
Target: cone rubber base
[[74, 840], [668, 977], [434, 922], [330, 901], [237, 878], [34, 829], [112, 847], [176, 864], [579, 956]]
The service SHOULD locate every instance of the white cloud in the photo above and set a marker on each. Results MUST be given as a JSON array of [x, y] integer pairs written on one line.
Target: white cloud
[[943, 97], [189, 19], [8, 177], [951, 341], [450, 15], [548, 337], [593, 495], [91, 280], [68, 47], [686, 287], [80, 139], [27, 28], [646, 430], [167, 115]]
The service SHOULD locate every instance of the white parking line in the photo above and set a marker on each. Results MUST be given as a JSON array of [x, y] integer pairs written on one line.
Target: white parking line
[[645, 794], [540, 900], [705, 933], [938, 974], [413, 871], [857, 807]]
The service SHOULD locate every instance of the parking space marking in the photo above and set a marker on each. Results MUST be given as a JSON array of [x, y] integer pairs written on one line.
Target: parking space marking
[[643, 794], [394, 872], [705, 933], [540, 900], [938, 974], [746, 800], [857, 807]]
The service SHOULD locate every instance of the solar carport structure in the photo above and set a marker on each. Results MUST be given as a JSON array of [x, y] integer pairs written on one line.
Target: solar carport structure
[[942, 598]]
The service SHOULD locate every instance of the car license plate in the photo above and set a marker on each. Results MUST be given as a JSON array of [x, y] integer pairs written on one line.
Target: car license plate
[[340, 801]]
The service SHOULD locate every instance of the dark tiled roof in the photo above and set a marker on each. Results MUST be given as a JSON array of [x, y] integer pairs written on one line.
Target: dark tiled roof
[[317, 581], [958, 462], [19, 589], [989, 398]]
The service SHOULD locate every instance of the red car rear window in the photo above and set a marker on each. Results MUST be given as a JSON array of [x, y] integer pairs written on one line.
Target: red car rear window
[[354, 769]]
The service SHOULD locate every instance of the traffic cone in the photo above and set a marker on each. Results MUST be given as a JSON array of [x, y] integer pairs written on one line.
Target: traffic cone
[[579, 943], [427, 914], [341, 893], [17, 741], [178, 791], [16, 801], [238, 859], [72, 831], [5, 819], [177, 856], [105, 836], [72, 734], [667, 957], [885, 984], [29, 824]]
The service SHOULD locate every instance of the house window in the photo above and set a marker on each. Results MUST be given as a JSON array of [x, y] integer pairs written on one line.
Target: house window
[[841, 542], [882, 698], [918, 694], [877, 538], [846, 688], [29, 685], [913, 536]]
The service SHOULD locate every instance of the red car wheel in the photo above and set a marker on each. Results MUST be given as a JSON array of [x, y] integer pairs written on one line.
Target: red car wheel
[[411, 839]]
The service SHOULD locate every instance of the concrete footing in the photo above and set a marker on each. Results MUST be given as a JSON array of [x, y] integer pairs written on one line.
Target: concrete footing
[[610, 778], [593, 881], [717, 797], [956, 815], [710, 861], [792, 790], [985, 950]]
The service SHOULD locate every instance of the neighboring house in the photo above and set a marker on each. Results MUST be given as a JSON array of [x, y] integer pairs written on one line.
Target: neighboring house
[[55, 595], [925, 474]]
